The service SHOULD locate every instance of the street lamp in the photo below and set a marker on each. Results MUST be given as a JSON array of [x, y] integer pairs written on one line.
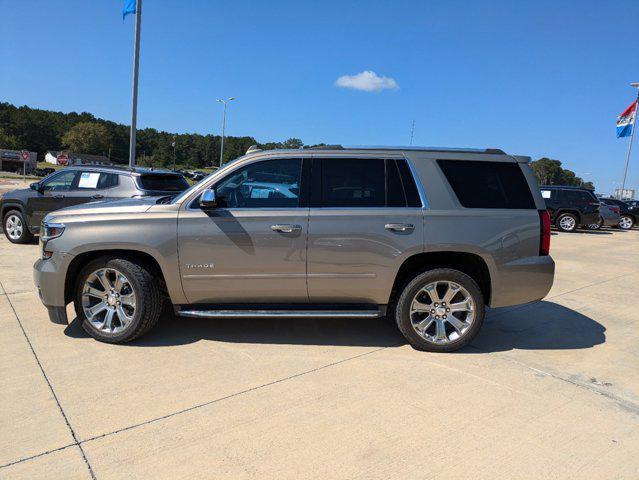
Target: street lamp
[[225, 102]]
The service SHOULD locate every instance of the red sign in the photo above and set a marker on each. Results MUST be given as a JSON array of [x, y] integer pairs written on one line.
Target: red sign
[[25, 155], [63, 159]]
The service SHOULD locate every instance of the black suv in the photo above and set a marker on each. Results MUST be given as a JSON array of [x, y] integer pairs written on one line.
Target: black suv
[[570, 207], [627, 211], [23, 210]]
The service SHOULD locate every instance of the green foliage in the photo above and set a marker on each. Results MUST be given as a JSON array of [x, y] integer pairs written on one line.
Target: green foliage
[[550, 172], [87, 137], [41, 130]]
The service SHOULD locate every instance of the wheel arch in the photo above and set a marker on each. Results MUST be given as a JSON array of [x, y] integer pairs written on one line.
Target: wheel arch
[[471, 264], [568, 210], [136, 256]]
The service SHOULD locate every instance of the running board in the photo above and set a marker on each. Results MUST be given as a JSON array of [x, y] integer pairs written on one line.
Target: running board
[[280, 313]]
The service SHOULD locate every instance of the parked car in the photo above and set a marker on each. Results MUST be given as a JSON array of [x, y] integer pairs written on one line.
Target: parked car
[[608, 216], [426, 237], [43, 172], [570, 207], [628, 213], [22, 211]]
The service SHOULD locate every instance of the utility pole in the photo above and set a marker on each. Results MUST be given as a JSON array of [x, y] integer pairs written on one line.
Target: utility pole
[[632, 136], [173, 145], [225, 102], [412, 132], [136, 63]]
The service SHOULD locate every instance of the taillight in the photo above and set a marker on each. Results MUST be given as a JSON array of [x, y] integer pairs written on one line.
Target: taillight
[[615, 209], [544, 236]]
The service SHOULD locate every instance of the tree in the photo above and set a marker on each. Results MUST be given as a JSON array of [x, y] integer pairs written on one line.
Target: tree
[[8, 141], [87, 137], [550, 172]]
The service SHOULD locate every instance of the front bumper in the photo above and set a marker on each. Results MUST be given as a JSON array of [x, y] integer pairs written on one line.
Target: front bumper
[[524, 280], [49, 277]]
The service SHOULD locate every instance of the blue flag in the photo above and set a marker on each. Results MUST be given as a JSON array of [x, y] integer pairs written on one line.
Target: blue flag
[[129, 7]]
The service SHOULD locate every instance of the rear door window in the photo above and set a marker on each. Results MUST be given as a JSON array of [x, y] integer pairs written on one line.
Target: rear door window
[[353, 182], [165, 183], [480, 184]]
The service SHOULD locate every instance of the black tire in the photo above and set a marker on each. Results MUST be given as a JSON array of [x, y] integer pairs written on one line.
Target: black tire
[[403, 306], [565, 228], [25, 236], [596, 226], [628, 221], [148, 299]]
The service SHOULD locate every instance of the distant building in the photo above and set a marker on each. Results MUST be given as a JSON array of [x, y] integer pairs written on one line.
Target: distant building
[[68, 158], [19, 161]]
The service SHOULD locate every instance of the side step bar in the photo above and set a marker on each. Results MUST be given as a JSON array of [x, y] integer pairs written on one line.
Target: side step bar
[[280, 313]]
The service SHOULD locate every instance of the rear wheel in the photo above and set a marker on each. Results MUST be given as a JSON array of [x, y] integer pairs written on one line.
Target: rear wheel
[[567, 222], [15, 227], [117, 300], [440, 310], [626, 222]]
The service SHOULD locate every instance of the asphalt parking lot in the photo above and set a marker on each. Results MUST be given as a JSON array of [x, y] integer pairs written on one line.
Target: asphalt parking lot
[[547, 390]]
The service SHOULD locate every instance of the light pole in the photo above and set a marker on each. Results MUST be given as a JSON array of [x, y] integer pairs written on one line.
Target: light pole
[[173, 145], [225, 102], [632, 136]]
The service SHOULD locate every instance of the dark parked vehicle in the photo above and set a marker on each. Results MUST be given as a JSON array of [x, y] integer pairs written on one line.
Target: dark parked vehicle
[[609, 217], [23, 210], [629, 213], [43, 172], [570, 207]]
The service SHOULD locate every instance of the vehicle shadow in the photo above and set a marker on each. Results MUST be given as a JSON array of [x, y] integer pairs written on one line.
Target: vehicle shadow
[[539, 326]]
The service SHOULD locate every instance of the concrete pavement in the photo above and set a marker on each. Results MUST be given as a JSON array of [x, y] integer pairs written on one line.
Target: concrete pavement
[[547, 390]]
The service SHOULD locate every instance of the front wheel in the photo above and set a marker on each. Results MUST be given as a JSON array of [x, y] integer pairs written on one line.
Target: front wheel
[[15, 227], [596, 226], [626, 222], [440, 310], [117, 300]]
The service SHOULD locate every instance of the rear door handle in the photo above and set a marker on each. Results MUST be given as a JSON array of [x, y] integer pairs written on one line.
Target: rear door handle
[[97, 197], [286, 228], [58, 197], [399, 227]]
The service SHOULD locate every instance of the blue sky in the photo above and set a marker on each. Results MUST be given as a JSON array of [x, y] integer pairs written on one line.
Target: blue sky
[[541, 78]]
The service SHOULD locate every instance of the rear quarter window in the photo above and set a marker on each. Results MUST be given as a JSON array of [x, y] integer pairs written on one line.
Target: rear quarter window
[[166, 183], [479, 184]]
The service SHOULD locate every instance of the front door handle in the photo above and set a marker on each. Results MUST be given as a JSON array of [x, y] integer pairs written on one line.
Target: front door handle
[[286, 228], [97, 197], [58, 197], [399, 227]]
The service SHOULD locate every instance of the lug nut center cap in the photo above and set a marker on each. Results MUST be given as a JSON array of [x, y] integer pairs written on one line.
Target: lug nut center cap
[[440, 311]]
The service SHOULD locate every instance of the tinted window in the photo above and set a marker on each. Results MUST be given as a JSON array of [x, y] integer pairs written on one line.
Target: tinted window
[[395, 196], [353, 182], [412, 195], [579, 196], [96, 180], [267, 184], [167, 183], [60, 182], [480, 184]]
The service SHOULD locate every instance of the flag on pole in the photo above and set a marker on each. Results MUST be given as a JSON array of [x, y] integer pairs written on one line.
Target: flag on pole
[[626, 120], [128, 7]]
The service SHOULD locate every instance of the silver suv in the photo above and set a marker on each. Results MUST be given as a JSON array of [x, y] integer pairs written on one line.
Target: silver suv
[[426, 237]]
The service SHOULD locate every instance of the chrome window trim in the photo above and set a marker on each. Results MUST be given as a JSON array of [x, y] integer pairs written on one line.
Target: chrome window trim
[[418, 183]]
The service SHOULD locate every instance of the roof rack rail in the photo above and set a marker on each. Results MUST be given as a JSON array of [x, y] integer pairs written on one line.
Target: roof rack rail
[[253, 148], [325, 147]]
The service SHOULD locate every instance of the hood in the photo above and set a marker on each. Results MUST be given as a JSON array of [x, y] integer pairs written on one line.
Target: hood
[[128, 205]]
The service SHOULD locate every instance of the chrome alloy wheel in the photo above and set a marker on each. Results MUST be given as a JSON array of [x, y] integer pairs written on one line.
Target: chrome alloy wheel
[[442, 312], [14, 227], [567, 223], [625, 222], [108, 300]]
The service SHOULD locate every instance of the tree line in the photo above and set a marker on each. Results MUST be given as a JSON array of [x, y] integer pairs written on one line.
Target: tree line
[[39, 130]]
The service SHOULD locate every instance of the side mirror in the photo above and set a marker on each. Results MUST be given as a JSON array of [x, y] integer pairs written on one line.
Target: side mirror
[[36, 186], [208, 200]]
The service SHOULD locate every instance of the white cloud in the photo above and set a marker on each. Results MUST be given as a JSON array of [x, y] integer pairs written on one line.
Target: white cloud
[[367, 81]]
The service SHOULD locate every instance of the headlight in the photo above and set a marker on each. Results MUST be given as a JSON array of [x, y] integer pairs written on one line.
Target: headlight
[[51, 231]]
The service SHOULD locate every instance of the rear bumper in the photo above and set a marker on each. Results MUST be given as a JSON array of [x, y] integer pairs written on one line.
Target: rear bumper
[[610, 221], [522, 281]]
